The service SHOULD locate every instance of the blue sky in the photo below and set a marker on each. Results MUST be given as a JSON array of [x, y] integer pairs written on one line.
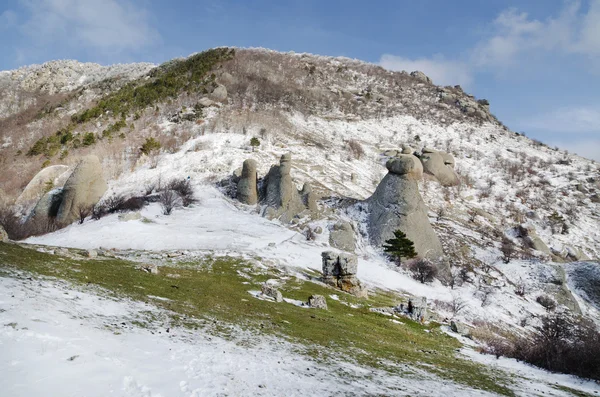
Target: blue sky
[[536, 61]]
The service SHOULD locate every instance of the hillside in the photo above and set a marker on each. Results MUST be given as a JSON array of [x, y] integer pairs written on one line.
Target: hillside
[[342, 120]]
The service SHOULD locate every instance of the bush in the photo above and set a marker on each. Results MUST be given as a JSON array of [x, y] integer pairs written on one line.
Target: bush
[[89, 139], [561, 344], [254, 142], [185, 191], [508, 250], [547, 302], [356, 149], [422, 270], [151, 145], [169, 200]]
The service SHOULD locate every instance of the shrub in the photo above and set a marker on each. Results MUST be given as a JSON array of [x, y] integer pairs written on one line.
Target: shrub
[[508, 250], [254, 142], [89, 139], [169, 200], [185, 191], [356, 149], [547, 302], [83, 212], [150, 145], [422, 270], [132, 204]]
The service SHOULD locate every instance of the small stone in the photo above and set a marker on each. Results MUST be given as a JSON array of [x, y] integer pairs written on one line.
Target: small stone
[[317, 301], [271, 292], [91, 253], [318, 230]]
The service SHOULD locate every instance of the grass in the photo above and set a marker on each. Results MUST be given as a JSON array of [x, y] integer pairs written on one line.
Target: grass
[[213, 289]]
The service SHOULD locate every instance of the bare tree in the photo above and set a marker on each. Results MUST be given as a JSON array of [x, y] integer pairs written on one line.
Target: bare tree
[[168, 201], [83, 211], [422, 270], [508, 250]]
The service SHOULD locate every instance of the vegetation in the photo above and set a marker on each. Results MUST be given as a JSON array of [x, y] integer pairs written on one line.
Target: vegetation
[[216, 289], [399, 247], [254, 142], [422, 270], [150, 145]]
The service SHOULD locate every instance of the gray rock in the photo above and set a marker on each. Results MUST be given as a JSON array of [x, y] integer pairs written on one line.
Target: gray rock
[[130, 216], [84, 188], [3, 235], [219, 94], [537, 244], [585, 278], [149, 268], [421, 76], [460, 328], [309, 198], [317, 301], [271, 292], [279, 192], [340, 271], [407, 149], [342, 236], [390, 153], [47, 207], [206, 102], [318, 230], [434, 163], [91, 253], [348, 264], [54, 176], [247, 192], [595, 198], [397, 204], [406, 165]]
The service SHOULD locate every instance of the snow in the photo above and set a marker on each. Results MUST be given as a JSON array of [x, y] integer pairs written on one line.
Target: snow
[[58, 340]]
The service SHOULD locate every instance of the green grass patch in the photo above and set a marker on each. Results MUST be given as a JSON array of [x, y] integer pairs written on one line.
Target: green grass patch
[[216, 288]]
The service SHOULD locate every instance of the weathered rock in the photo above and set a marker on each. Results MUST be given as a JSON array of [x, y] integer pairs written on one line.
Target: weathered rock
[[342, 236], [271, 292], [407, 149], [397, 204], [460, 328], [448, 159], [91, 253], [340, 271], [206, 102], [84, 188], [149, 268], [537, 244], [390, 153], [417, 74], [434, 163], [419, 309], [47, 207], [595, 198], [318, 230], [406, 165], [130, 216], [219, 94], [280, 193], [49, 178], [247, 191], [317, 301], [308, 197], [3, 235]]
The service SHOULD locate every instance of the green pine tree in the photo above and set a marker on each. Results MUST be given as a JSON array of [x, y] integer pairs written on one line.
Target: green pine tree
[[254, 142], [399, 247]]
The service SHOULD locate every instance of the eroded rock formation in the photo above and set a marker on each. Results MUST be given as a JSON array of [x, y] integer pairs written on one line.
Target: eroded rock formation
[[397, 204], [247, 191], [439, 165], [339, 270]]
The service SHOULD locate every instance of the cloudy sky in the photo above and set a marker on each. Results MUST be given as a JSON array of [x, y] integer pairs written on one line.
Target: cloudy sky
[[536, 61]]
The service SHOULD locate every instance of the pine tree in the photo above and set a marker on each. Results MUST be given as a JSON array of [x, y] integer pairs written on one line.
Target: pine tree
[[400, 247], [254, 142]]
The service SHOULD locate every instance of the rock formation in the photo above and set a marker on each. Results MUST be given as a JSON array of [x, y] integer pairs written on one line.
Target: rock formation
[[317, 301], [309, 198], [397, 204], [84, 188], [50, 177], [440, 165], [339, 270], [3, 235], [279, 192], [247, 192], [417, 74], [342, 236]]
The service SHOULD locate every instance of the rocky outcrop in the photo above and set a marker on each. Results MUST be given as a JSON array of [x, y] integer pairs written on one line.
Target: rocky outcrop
[[397, 204], [439, 165], [47, 207], [584, 278], [342, 236], [309, 198], [417, 74], [279, 192], [271, 292], [219, 94], [339, 270], [3, 235], [247, 191], [50, 177], [84, 188]]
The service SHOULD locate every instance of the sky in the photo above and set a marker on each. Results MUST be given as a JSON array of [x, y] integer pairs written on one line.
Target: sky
[[536, 61]]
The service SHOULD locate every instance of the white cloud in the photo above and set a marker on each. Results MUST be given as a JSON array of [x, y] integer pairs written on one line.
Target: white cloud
[[108, 26], [440, 70], [516, 37], [571, 119]]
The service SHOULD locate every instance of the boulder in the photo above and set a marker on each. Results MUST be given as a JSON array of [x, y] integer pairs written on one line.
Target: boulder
[[50, 177], [585, 278], [417, 74], [434, 163], [279, 192], [397, 204], [47, 207], [407, 149], [130, 216], [84, 188], [219, 94], [3, 235], [149, 268], [342, 236], [247, 192], [339, 270], [91, 253], [206, 102], [317, 301], [537, 244], [271, 292]]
